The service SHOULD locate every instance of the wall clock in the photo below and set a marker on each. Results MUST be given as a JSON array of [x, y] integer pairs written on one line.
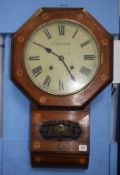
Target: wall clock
[[61, 59]]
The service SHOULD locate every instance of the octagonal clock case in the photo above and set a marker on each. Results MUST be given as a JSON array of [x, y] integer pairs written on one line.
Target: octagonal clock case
[[61, 60]]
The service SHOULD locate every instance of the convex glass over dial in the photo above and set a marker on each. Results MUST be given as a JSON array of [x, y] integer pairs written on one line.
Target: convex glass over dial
[[61, 57]]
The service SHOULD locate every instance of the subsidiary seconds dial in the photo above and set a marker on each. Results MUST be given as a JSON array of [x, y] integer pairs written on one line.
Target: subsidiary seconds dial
[[62, 57]]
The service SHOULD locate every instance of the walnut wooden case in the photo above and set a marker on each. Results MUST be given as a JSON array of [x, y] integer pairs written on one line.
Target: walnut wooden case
[[56, 108]]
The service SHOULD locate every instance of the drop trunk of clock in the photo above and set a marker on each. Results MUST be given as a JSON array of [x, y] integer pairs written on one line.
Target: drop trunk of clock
[[60, 138]]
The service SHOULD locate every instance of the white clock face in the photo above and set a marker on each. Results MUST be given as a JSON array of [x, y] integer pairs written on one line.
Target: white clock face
[[61, 57]]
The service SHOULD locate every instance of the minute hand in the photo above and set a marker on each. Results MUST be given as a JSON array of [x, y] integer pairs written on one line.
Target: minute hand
[[61, 58]]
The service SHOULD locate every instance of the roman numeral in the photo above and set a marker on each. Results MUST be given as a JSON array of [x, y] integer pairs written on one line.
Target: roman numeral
[[37, 70], [89, 57], [34, 58], [75, 33], [47, 81], [47, 34], [61, 29], [85, 43], [61, 86], [84, 70]]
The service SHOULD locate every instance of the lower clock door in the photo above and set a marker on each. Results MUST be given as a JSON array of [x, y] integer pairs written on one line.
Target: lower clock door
[[60, 138]]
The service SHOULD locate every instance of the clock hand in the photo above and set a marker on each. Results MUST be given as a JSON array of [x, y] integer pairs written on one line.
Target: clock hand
[[47, 49], [61, 58]]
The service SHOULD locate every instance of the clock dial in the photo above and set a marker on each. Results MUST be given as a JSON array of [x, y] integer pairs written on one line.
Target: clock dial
[[61, 57]]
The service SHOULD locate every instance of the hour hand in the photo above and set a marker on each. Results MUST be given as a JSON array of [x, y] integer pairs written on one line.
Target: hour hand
[[47, 49]]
